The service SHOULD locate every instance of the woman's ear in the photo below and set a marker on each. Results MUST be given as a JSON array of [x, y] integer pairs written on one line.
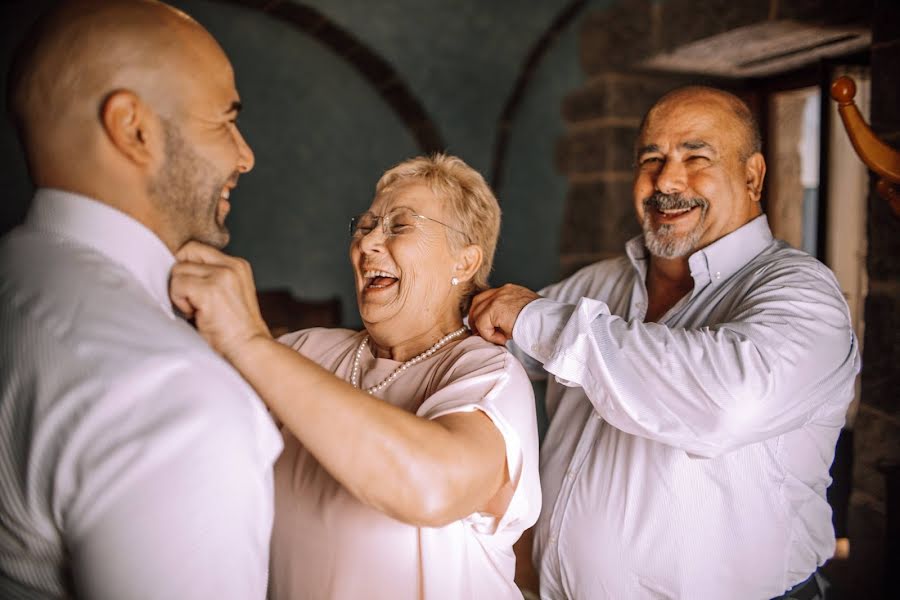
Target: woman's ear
[[468, 261], [130, 126]]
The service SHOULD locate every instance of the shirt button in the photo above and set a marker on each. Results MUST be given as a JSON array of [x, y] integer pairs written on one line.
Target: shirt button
[[718, 275], [552, 539], [569, 474], [535, 348]]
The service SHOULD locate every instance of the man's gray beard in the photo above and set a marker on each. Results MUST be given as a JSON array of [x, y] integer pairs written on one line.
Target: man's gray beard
[[664, 242]]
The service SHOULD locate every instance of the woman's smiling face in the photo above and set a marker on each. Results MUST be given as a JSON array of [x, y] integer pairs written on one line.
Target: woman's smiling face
[[403, 276]]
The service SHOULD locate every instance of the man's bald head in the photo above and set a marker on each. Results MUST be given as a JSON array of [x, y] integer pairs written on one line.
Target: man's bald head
[[132, 103], [751, 139], [82, 51]]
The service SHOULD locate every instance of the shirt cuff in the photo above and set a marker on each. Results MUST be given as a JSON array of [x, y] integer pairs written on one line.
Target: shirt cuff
[[539, 325], [575, 344]]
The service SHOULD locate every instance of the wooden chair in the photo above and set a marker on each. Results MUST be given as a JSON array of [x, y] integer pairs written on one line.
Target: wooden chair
[[878, 156], [285, 313]]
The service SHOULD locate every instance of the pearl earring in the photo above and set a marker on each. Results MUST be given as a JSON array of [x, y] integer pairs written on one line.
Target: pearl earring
[[454, 281]]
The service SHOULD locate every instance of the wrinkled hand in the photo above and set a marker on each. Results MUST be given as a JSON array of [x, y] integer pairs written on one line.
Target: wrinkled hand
[[494, 312], [217, 291]]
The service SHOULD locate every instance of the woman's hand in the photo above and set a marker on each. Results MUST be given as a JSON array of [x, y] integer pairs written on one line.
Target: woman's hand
[[217, 291]]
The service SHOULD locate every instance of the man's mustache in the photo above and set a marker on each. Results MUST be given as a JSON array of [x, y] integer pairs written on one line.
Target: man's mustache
[[660, 201]]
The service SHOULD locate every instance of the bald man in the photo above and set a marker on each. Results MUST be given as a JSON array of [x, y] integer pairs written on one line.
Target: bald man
[[698, 383], [134, 462]]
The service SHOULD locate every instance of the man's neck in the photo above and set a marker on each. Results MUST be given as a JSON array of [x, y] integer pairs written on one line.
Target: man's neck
[[668, 281]]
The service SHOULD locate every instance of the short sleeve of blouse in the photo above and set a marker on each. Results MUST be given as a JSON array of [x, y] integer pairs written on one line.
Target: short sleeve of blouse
[[488, 378]]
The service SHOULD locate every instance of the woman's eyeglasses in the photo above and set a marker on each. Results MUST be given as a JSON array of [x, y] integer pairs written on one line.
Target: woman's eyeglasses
[[397, 222]]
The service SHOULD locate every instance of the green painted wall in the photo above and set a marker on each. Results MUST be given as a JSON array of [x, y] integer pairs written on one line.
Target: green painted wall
[[322, 136]]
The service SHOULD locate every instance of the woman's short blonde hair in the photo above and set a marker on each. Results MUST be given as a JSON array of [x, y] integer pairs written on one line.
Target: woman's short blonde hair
[[468, 199]]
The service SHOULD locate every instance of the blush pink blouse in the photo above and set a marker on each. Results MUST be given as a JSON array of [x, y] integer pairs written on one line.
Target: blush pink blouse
[[328, 545]]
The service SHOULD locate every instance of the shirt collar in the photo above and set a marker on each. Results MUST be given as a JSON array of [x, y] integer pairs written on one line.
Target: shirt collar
[[720, 260], [638, 255], [109, 231], [728, 254]]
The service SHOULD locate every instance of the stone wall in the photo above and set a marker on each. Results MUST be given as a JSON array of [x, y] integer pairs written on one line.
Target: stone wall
[[596, 156], [877, 429]]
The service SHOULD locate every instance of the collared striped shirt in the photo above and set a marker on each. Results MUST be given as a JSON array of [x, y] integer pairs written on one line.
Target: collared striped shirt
[[134, 462], [688, 458]]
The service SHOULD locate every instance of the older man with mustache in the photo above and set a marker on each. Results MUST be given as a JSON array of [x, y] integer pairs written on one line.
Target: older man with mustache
[[698, 385]]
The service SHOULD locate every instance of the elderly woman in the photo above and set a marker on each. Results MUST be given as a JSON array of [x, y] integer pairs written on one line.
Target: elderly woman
[[410, 460]]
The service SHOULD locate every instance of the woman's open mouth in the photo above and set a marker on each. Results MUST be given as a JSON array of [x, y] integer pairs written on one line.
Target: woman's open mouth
[[379, 280]]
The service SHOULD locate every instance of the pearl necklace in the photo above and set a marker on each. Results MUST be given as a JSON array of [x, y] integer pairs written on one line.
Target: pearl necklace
[[354, 373]]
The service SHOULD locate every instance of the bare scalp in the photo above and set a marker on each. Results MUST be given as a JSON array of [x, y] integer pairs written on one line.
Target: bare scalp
[[84, 50], [751, 139]]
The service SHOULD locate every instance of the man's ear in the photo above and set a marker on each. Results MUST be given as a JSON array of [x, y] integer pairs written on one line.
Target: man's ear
[[755, 170], [130, 126], [468, 261]]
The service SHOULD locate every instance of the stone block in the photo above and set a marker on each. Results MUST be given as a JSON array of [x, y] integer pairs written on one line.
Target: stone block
[[616, 37], [886, 88], [866, 477], [800, 10], [593, 149], [876, 440], [883, 260], [683, 21], [598, 218], [885, 21], [848, 12], [614, 95], [881, 350], [862, 574]]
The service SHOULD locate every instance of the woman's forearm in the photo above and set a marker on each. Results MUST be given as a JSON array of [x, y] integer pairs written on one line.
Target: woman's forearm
[[416, 470]]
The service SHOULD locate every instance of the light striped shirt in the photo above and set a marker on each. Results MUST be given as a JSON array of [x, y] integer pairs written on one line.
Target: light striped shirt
[[134, 462], [689, 458]]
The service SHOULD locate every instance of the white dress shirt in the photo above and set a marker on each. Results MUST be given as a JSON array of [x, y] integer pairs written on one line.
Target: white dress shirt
[[327, 545], [688, 458], [134, 462]]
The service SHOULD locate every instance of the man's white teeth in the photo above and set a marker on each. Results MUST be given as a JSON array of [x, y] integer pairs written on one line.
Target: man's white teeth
[[373, 274], [675, 211]]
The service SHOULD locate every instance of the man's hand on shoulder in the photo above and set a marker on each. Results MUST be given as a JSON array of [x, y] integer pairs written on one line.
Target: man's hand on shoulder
[[494, 312]]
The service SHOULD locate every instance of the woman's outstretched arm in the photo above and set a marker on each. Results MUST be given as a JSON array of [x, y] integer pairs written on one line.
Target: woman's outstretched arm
[[419, 471]]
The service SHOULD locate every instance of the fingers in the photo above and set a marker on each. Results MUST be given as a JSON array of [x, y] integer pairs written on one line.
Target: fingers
[[218, 292], [219, 270], [202, 254], [181, 299], [198, 252], [476, 308], [494, 312], [190, 285], [481, 318], [495, 336]]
